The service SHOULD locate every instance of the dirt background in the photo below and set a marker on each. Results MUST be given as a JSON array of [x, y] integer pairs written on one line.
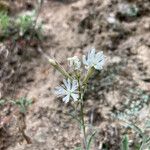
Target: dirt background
[[72, 28]]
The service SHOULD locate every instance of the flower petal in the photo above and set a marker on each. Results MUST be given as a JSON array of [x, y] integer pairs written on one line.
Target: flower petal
[[69, 84], [74, 85], [60, 91], [65, 83], [66, 98], [69, 89], [75, 96], [91, 54], [99, 56]]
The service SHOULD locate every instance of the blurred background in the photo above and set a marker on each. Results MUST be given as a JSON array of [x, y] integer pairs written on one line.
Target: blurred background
[[64, 28]]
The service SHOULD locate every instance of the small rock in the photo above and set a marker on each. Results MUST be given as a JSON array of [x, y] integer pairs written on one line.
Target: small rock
[[113, 97], [116, 60], [144, 56], [147, 26], [111, 19]]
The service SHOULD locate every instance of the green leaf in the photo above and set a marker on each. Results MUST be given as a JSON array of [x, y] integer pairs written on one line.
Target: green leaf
[[4, 22], [23, 103], [2, 102], [90, 140], [78, 148], [147, 124], [125, 143]]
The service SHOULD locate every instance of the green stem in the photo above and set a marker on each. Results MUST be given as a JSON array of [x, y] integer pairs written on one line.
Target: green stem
[[89, 74], [83, 126], [82, 91], [81, 94]]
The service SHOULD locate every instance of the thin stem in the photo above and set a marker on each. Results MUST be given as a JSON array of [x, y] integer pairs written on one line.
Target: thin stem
[[83, 126], [22, 127], [81, 94], [89, 74]]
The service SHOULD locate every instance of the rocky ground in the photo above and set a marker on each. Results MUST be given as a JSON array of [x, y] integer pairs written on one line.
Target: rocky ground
[[120, 28]]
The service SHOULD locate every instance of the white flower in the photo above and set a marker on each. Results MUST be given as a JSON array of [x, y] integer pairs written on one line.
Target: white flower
[[94, 60], [74, 62], [69, 90]]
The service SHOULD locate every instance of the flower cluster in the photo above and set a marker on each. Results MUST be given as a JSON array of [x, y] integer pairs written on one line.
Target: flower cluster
[[70, 88], [74, 62]]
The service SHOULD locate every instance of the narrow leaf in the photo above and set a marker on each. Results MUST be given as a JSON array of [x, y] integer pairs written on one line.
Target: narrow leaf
[[90, 140], [125, 143]]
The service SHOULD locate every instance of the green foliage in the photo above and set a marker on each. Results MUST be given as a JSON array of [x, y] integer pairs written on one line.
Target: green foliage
[[2, 102], [78, 148], [90, 140], [132, 11], [136, 100], [141, 132], [25, 23], [129, 117], [125, 143], [129, 10], [23, 26], [4, 23], [23, 104]]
